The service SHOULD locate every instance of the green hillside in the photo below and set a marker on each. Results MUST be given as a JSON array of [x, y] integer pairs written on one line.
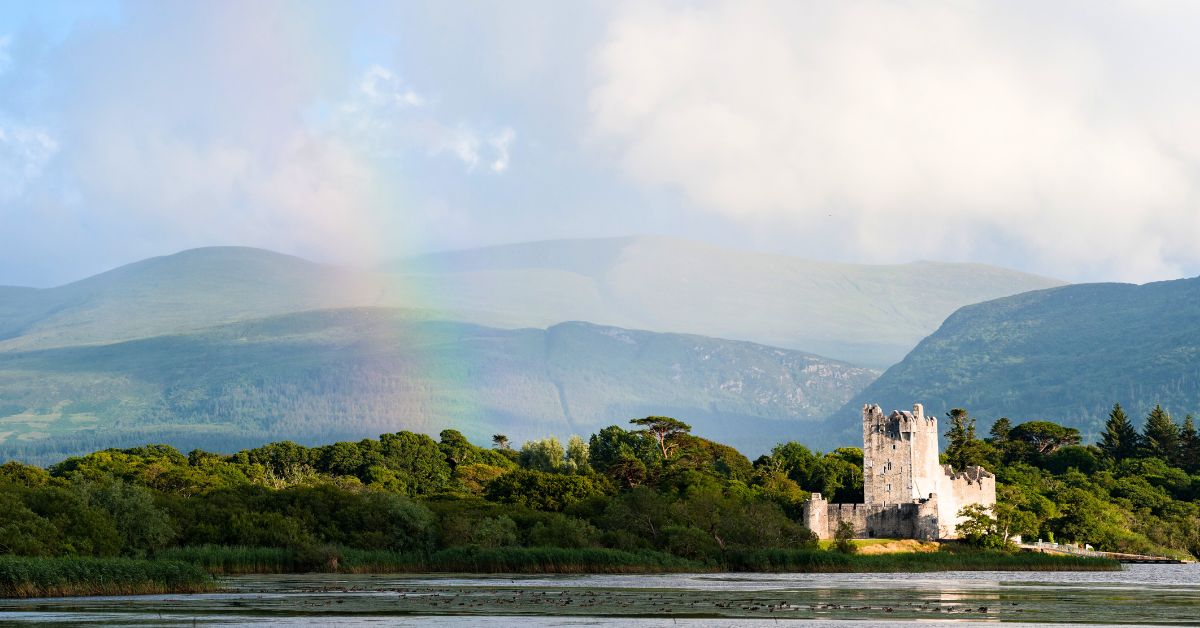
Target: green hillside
[[869, 315], [864, 314], [187, 291], [1065, 354], [352, 373]]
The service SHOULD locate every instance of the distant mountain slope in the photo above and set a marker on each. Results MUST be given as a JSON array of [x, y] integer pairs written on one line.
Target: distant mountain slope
[[865, 314], [862, 314], [1065, 354], [187, 291], [360, 372]]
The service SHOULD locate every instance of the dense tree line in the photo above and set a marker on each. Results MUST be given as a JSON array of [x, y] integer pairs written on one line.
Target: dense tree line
[[654, 486], [1132, 491]]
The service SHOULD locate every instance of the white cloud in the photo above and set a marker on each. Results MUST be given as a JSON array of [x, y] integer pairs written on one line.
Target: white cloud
[[392, 119], [898, 128], [381, 87], [500, 141], [24, 153], [173, 143]]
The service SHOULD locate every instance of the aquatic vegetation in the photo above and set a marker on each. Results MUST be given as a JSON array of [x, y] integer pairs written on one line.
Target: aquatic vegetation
[[824, 561], [46, 577]]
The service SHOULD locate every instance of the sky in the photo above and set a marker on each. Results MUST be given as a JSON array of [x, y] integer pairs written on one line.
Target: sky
[[1057, 138]]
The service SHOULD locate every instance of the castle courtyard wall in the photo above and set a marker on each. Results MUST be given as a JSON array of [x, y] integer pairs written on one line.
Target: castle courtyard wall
[[907, 492]]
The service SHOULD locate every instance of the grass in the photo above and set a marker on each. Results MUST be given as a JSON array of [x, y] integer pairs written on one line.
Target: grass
[[261, 560], [821, 561], [52, 577], [538, 560], [558, 560], [828, 544]]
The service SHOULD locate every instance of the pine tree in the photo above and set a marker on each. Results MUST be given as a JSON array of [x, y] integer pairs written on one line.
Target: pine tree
[[1160, 436], [963, 449], [1120, 439], [1189, 446], [999, 438]]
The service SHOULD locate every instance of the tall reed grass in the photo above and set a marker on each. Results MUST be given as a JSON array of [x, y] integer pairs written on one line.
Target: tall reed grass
[[471, 559], [250, 560], [50, 577], [821, 561]]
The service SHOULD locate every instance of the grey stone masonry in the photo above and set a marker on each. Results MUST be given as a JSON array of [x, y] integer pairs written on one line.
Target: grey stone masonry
[[907, 492]]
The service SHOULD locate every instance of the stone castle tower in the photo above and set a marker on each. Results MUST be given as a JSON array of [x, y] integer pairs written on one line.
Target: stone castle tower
[[907, 493], [900, 456]]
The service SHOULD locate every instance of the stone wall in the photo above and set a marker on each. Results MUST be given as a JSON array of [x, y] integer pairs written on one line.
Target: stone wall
[[974, 485], [907, 492], [914, 520]]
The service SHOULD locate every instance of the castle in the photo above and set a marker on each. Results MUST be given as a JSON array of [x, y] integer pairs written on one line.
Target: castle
[[906, 493]]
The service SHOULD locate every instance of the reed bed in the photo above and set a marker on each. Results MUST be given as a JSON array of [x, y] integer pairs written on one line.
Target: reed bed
[[54, 577], [230, 560], [819, 561], [555, 560], [259, 560], [558, 560]]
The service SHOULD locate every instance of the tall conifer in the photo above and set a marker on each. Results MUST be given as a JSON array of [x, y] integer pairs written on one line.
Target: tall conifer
[[1160, 436], [1189, 446], [1120, 439]]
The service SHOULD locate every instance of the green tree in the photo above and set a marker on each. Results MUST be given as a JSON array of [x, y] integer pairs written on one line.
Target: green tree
[[577, 455], [963, 449], [417, 460], [1044, 437], [544, 491], [546, 454], [142, 526], [843, 538], [1120, 439], [1189, 446], [500, 441], [665, 430], [978, 528], [1160, 436]]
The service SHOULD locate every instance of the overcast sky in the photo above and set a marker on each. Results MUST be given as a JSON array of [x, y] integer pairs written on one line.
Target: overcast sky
[[1061, 138]]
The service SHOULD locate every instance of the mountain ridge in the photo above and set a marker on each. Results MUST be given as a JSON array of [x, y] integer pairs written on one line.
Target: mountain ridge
[[358, 372], [865, 314], [1064, 354]]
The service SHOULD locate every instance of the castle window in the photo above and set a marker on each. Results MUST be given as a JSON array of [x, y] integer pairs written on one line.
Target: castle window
[[893, 446], [889, 488]]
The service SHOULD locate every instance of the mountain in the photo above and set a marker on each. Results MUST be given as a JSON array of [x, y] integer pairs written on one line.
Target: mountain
[[870, 315], [864, 314], [353, 373], [1065, 354]]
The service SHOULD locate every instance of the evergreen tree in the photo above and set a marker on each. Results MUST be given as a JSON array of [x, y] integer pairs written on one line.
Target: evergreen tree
[[998, 435], [1120, 439], [1160, 436], [1189, 446], [964, 450]]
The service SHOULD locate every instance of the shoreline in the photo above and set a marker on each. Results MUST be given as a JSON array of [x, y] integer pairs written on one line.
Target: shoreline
[[72, 577]]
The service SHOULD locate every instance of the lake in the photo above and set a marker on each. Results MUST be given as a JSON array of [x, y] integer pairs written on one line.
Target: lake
[[1139, 594]]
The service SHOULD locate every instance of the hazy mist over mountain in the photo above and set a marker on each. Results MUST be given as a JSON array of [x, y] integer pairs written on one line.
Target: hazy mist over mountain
[[239, 343]]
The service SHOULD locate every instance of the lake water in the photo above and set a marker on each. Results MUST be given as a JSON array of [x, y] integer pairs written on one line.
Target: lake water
[[1139, 594]]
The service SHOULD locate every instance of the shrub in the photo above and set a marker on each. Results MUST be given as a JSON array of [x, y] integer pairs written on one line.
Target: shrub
[[843, 538]]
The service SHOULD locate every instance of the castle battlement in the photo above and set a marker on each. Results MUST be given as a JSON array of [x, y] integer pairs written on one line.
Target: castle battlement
[[907, 492]]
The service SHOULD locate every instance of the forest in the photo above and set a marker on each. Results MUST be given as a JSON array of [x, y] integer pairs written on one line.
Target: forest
[[651, 496]]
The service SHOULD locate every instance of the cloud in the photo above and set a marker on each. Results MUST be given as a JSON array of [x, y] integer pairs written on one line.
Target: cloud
[[24, 153], [903, 130], [500, 141], [381, 87], [393, 119]]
